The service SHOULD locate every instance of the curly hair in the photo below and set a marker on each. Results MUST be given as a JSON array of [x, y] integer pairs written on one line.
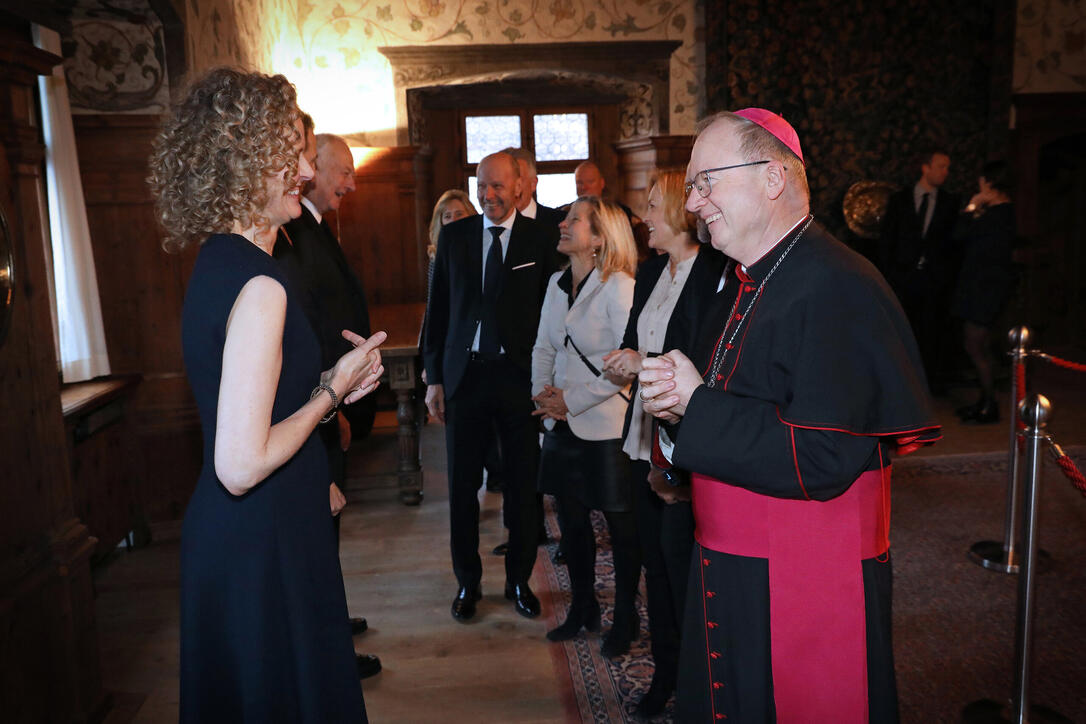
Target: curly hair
[[212, 160]]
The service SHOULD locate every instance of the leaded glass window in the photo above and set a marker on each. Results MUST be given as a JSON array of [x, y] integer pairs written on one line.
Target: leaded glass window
[[487, 134], [561, 136]]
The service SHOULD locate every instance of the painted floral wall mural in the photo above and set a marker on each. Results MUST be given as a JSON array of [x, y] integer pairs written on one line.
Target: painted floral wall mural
[[114, 58], [1050, 47], [329, 47]]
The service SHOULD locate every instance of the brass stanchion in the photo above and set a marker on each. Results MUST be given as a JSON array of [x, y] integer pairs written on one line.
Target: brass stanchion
[[1035, 411], [1001, 555]]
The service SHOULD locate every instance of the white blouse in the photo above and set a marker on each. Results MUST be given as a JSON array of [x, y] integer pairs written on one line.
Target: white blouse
[[651, 328]]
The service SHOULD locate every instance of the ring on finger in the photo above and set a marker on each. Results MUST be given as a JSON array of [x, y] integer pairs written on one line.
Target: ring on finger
[[641, 394]]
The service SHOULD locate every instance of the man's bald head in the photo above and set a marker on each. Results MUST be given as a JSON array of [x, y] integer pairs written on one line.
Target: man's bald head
[[499, 184], [529, 180], [589, 180], [335, 173]]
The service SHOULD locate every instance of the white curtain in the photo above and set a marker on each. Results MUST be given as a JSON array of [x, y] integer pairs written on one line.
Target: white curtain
[[79, 313]]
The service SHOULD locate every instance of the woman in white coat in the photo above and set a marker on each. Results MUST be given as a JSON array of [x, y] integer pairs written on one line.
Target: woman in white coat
[[582, 463]]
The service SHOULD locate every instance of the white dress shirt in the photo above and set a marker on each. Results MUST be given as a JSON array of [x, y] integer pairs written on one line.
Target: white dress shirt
[[488, 239]]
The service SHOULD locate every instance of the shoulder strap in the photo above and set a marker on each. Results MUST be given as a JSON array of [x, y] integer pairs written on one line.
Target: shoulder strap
[[588, 363]]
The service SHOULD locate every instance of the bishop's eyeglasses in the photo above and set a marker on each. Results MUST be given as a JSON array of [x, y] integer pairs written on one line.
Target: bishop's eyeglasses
[[704, 184]]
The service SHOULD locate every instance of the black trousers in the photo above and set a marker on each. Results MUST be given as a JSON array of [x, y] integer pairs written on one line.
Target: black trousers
[[666, 532], [492, 394], [579, 543]]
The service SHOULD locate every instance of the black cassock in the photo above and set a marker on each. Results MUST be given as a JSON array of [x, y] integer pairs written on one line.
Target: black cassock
[[813, 380]]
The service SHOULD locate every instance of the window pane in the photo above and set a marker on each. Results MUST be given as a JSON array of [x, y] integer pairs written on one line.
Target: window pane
[[556, 189], [473, 191], [487, 134], [561, 136]]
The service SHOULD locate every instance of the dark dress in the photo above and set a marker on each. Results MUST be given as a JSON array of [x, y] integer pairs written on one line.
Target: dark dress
[[264, 629], [986, 279]]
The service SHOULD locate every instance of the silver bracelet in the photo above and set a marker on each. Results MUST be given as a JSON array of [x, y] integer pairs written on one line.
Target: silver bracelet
[[332, 393]]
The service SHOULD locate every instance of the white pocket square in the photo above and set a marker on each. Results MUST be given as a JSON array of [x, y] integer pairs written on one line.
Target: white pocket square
[[522, 266]]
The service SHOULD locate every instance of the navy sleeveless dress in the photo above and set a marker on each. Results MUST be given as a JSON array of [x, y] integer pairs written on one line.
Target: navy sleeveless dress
[[264, 629]]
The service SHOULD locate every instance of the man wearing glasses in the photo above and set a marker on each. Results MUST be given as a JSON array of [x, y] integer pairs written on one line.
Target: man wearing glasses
[[805, 381]]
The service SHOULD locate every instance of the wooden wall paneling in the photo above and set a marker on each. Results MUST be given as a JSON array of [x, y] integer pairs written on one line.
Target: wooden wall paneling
[[49, 668], [142, 290], [445, 141], [378, 224]]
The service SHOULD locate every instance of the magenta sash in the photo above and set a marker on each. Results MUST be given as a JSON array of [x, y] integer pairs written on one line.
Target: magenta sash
[[816, 594]]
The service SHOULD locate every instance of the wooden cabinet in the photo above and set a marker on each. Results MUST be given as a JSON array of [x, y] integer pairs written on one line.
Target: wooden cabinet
[[103, 455]]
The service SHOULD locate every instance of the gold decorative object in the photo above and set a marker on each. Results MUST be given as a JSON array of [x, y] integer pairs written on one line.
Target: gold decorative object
[[7, 276], [865, 205]]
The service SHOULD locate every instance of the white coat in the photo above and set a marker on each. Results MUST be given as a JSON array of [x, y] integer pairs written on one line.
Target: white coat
[[596, 323]]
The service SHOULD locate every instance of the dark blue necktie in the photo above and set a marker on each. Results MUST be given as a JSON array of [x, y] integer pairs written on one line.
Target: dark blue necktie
[[489, 344]]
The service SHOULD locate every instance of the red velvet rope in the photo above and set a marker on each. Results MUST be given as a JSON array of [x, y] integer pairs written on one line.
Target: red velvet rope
[[1020, 385], [1072, 472], [1067, 364]]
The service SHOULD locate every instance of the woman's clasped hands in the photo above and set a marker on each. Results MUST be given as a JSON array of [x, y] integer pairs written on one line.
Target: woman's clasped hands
[[622, 365], [550, 404]]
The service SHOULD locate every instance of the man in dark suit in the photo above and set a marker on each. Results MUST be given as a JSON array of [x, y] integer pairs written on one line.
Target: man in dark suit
[[332, 298], [919, 260], [490, 277], [526, 202], [589, 181]]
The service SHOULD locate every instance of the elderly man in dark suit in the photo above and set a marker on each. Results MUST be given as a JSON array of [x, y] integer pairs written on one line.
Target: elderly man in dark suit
[[919, 260], [526, 201], [490, 277], [332, 297]]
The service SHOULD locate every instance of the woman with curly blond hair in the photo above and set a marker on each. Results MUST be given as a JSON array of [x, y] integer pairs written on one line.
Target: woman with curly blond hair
[[264, 629], [582, 464]]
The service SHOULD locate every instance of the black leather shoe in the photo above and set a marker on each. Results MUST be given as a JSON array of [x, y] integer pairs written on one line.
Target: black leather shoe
[[358, 625], [617, 641], [967, 411], [986, 414], [559, 557], [501, 549], [523, 599], [463, 606], [655, 699], [589, 618], [368, 665]]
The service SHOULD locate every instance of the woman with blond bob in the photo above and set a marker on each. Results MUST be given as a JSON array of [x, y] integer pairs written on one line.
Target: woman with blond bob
[[264, 628], [582, 463], [453, 205], [669, 299]]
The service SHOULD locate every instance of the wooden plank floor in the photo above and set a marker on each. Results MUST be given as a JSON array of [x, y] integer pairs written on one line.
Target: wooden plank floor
[[395, 558]]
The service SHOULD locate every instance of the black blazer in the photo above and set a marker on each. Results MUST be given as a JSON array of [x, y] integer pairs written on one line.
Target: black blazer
[[901, 245], [549, 216], [695, 299], [456, 291], [335, 294]]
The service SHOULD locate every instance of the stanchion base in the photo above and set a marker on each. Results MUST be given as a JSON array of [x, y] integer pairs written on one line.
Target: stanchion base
[[990, 554], [989, 711]]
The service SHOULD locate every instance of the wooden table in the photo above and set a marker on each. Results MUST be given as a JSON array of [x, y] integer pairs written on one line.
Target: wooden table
[[400, 354]]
